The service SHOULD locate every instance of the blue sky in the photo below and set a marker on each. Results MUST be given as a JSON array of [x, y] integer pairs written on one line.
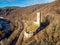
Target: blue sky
[[22, 3]]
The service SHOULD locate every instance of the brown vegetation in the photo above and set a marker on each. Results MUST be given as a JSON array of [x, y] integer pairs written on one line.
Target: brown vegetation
[[50, 35]]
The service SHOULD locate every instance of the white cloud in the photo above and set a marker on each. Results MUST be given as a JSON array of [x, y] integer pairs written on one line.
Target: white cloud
[[49, 1]]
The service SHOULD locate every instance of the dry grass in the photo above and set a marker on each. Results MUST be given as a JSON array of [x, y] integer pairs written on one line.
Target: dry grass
[[29, 25], [48, 36]]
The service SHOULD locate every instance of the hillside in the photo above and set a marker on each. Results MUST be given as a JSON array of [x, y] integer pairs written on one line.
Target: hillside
[[22, 19]]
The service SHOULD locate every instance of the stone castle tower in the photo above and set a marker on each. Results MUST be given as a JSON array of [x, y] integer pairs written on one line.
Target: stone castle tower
[[38, 18], [37, 22]]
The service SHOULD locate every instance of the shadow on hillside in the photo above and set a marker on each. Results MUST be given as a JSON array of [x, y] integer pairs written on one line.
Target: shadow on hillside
[[41, 27]]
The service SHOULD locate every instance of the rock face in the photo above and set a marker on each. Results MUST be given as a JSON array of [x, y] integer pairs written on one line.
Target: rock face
[[27, 35], [47, 34]]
